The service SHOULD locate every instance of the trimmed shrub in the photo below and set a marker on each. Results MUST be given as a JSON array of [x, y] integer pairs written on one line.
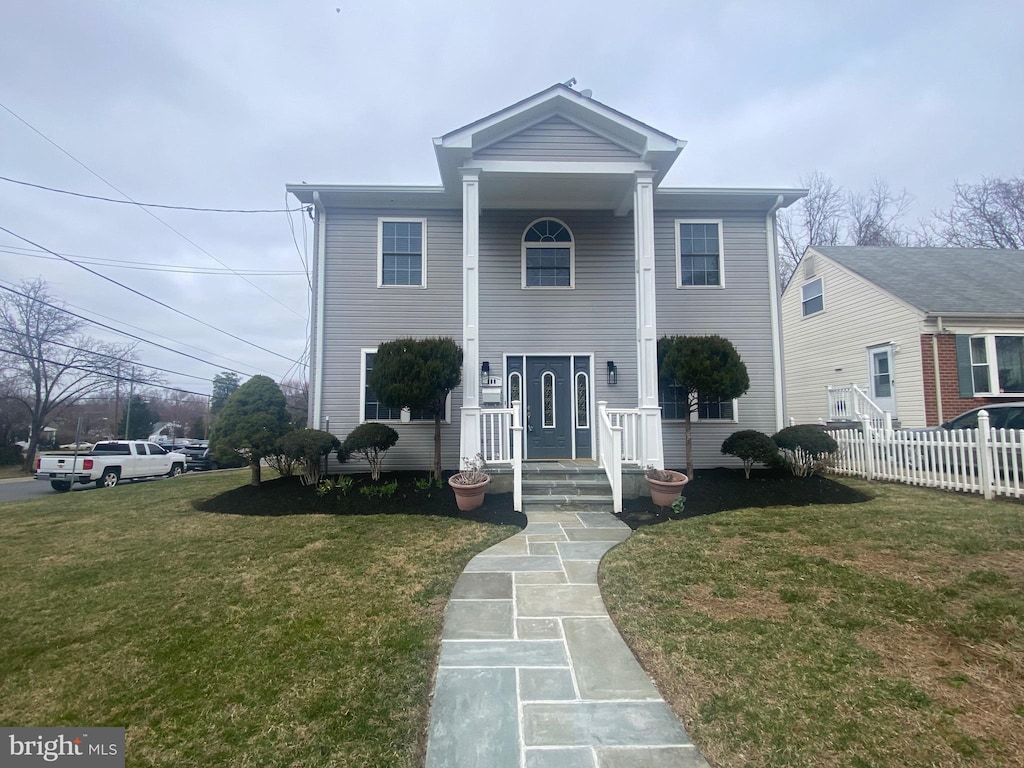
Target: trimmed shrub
[[10, 454], [371, 441], [751, 447], [806, 449], [307, 448]]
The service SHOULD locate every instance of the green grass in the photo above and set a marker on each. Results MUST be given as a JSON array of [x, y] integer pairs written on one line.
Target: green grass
[[224, 640], [884, 633]]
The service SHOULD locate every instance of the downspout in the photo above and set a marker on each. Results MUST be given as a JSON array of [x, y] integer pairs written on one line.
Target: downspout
[[321, 251], [773, 288], [935, 366]]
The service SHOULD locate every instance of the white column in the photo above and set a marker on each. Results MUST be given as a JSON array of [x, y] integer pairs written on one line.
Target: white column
[[651, 450], [469, 441]]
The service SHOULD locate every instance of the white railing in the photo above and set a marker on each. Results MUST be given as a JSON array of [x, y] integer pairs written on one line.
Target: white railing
[[851, 403], [609, 452], [501, 442], [983, 460], [629, 420]]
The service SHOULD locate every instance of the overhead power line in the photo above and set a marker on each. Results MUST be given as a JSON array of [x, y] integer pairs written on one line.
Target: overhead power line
[[147, 297], [144, 210], [150, 205], [106, 375], [145, 266]]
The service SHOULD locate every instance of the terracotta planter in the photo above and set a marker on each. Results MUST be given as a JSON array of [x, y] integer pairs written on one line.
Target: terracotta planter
[[469, 496], [664, 492]]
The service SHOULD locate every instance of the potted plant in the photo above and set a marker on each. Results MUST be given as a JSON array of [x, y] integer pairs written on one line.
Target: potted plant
[[666, 485], [470, 484]]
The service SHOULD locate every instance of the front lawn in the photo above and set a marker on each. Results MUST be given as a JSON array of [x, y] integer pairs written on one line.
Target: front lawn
[[889, 632], [227, 639]]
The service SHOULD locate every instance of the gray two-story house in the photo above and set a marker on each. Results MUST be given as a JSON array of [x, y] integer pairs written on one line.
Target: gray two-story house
[[553, 255]]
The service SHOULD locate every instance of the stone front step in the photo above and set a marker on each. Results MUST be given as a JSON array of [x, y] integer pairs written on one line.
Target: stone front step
[[553, 502]]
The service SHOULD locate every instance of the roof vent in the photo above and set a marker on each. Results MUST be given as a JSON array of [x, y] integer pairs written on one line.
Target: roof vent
[[586, 93], [809, 265]]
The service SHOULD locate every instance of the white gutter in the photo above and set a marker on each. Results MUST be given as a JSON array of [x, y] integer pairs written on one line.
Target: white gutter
[[321, 251], [773, 288]]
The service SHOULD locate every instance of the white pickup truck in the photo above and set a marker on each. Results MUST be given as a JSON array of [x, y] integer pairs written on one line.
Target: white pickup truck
[[108, 463]]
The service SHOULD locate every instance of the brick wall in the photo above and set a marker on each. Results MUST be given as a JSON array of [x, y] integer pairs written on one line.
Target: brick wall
[[952, 403]]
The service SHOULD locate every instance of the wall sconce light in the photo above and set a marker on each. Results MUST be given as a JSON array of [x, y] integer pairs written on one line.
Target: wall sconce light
[[613, 373], [485, 369]]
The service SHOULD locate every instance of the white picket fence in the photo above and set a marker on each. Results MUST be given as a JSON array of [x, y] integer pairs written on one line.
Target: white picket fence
[[983, 460]]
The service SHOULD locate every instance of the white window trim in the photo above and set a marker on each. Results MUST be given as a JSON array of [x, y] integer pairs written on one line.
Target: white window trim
[[380, 250], [695, 414], [575, 399], [803, 300], [508, 394], [721, 256], [993, 365], [554, 401], [572, 257], [405, 413]]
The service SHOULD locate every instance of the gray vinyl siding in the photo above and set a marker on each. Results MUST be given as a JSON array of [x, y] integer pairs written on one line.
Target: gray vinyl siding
[[358, 315], [555, 139], [597, 317], [741, 312]]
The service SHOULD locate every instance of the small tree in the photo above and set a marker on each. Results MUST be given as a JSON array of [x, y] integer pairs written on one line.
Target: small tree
[[418, 374], [703, 366], [806, 449], [138, 419], [751, 447], [307, 448], [372, 441], [252, 421]]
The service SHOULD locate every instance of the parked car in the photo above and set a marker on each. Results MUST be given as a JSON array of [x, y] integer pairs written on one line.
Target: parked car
[[198, 456], [1000, 416]]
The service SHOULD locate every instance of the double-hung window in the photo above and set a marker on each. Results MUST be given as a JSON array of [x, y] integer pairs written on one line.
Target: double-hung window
[[812, 297], [997, 364], [675, 402], [700, 259], [402, 252], [372, 410]]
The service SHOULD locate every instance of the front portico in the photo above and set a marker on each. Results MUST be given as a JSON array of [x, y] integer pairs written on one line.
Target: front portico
[[561, 151]]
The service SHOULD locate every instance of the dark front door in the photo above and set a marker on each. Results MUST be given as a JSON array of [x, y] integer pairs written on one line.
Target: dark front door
[[549, 414]]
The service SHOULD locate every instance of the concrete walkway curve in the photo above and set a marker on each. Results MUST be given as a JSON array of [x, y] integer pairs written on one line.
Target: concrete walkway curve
[[532, 671]]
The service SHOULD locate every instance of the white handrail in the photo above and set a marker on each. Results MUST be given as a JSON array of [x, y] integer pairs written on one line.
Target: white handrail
[[851, 403], [501, 442], [629, 420], [609, 452]]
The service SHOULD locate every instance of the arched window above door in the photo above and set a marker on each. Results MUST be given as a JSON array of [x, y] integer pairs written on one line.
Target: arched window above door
[[549, 255]]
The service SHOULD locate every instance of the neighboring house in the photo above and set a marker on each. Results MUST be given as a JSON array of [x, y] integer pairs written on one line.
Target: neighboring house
[[927, 333], [551, 254]]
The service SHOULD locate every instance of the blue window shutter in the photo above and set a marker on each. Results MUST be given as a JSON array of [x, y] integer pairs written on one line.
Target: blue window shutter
[[963, 365]]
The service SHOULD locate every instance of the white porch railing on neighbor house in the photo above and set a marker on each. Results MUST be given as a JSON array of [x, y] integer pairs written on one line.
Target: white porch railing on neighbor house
[[851, 403], [501, 443], [983, 460]]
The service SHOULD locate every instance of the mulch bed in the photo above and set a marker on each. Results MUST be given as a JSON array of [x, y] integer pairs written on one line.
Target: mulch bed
[[709, 491], [721, 489]]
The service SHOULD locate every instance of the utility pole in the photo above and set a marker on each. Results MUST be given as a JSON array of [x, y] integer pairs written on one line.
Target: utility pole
[[117, 398], [128, 408]]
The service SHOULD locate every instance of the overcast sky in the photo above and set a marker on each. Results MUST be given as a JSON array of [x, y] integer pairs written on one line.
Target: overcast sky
[[220, 104]]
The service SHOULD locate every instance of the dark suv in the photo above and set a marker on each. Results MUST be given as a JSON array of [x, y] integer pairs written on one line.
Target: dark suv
[[198, 456], [1000, 416]]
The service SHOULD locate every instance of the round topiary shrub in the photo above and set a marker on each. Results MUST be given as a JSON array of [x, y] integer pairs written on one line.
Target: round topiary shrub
[[750, 446], [806, 449], [371, 441]]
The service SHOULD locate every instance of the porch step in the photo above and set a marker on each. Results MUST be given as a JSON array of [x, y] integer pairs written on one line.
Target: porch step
[[565, 485]]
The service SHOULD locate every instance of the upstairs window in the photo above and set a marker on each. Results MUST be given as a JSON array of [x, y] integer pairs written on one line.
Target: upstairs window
[[699, 262], [812, 298], [401, 247], [548, 255]]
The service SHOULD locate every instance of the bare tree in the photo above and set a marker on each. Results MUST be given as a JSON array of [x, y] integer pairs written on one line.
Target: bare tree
[[815, 220], [296, 394], [48, 363], [875, 218], [989, 214]]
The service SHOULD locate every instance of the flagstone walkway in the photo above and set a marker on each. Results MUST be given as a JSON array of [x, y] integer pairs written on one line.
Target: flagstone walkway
[[534, 674]]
